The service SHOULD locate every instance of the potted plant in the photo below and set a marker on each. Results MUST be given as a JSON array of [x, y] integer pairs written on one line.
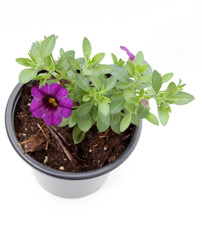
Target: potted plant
[[74, 119]]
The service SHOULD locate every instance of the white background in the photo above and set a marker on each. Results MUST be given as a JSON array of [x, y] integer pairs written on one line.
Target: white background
[[157, 192]]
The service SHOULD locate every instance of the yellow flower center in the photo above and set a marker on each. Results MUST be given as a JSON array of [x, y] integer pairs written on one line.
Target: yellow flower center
[[52, 101]]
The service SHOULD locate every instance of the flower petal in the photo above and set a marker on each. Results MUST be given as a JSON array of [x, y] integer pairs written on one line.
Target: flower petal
[[64, 112], [48, 117], [56, 118], [66, 102], [50, 89], [62, 93], [39, 112], [36, 93], [131, 56], [123, 48], [53, 89], [131, 59], [35, 104], [52, 117], [44, 89], [144, 102]]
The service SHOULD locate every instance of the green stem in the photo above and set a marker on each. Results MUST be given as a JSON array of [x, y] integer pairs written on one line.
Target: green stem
[[53, 59]]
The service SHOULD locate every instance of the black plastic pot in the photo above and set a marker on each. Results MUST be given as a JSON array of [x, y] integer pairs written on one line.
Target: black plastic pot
[[60, 183]]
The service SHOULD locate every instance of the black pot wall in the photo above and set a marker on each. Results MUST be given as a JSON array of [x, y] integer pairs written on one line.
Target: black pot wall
[[60, 183]]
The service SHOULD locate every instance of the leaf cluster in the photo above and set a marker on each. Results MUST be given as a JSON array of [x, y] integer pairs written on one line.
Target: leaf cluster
[[107, 95]]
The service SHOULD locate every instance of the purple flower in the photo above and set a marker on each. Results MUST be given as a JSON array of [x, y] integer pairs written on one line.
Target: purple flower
[[144, 102], [51, 103], [131, 56]]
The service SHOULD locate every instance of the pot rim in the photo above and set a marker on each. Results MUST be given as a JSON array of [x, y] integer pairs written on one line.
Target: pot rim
[[9, 121]]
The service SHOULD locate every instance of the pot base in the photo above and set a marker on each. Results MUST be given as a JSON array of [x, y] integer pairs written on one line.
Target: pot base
[[69, 188]]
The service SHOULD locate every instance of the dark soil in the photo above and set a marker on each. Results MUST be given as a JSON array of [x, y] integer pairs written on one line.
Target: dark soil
[[54, 146]]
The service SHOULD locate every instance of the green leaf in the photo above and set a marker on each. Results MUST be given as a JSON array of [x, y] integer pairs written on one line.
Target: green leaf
[[61, 52], [73, 63], [52, 70], [47, 61], [81, 61], [73, 119], [143, 68], [181, 98], [47, 46], [98, 80], [130, 107], [27, 75], [76, 91], [95, 113], [149, 70], [142, 111], [25, 62], [103, 108], [141, 91], [101, 126], [51, 81], [42, 75], [116, 128], [62, 62], [116, 106], [104, 118], [97, 59], [114, 58], [169, 109], [86, 71], [130, 67], [39, 61], [156, 81], [78, 135], [163, 115], [171, 90], [139, 59], [42, 82], [103, 68], [106, 99], [85, 122], [86, 48], [128, 95], [103, 122], [115, 118], [86, 98], [65, 122], [82, 82], [167, 77], [123, 85], [125, 122], [145, 79], [84, 108], [137, 73], [152, 118], [110, 83], [35, 50], [120, 73], [134, 120]]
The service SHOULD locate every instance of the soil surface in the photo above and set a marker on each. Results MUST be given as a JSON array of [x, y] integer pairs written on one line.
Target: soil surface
[[54, 146]]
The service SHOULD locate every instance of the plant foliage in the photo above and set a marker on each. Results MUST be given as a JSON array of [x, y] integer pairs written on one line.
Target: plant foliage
[[107, 95]]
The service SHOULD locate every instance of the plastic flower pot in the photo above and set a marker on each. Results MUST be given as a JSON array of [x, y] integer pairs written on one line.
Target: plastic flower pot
[[60, 183]]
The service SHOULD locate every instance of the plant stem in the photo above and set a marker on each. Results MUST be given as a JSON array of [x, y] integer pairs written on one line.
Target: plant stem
[[67, 153], [53, 59]]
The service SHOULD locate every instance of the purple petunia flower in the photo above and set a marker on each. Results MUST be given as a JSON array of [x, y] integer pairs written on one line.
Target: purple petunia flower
[[131, 56], [51, 103]]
